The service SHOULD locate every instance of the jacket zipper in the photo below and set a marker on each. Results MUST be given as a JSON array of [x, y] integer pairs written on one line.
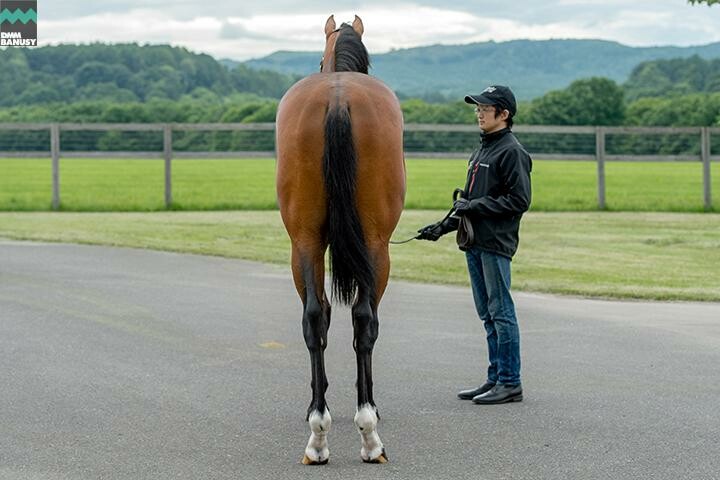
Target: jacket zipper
[[472, 179]]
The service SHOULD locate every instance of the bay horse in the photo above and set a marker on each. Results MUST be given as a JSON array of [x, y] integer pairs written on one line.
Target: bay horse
[[341, 185]]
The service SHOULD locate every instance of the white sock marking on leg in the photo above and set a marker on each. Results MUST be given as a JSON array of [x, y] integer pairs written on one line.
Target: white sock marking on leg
[[366, 422], [317, 446]]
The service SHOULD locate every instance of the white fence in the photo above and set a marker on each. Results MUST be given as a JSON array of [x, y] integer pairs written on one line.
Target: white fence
[[679, 144]]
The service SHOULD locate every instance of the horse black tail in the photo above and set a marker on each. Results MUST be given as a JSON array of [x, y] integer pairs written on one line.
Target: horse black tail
[[349, 259]]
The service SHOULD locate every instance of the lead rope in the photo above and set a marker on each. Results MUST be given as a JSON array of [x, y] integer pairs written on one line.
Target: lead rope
[[405, 241], [458, 191]]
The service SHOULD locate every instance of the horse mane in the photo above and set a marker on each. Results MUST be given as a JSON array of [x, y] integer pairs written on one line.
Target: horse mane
[[350, 53]]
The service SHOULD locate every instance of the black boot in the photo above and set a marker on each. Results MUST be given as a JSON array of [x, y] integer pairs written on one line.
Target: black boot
[[470, 394], [500, 394]]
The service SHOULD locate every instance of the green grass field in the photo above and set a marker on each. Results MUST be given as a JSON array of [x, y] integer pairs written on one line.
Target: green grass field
[[248, 184], [660, 256]]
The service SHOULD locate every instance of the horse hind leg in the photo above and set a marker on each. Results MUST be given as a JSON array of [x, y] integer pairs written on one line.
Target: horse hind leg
[[315, 322], [365, 327]]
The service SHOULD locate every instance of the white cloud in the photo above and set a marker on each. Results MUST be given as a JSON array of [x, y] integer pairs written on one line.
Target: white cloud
[[141, 25], [245, 32]]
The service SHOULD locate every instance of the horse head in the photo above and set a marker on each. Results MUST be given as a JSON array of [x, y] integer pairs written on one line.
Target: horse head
[[344, 50]]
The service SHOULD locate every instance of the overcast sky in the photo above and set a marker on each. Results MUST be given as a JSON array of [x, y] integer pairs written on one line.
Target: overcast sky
[[253, 28]]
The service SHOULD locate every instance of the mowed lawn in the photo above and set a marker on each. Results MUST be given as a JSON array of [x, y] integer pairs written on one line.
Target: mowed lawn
[[659, 256], [248, 184]]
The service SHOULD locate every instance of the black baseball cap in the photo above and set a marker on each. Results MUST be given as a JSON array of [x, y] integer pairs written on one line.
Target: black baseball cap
[[499, 95]]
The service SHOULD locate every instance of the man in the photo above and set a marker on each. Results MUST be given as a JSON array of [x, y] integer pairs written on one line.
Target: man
[[497, 193]]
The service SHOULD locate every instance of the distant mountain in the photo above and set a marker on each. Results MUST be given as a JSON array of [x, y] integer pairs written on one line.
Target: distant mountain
[[530, 67]]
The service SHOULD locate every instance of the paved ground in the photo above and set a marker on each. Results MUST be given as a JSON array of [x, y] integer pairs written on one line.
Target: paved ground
[[130, 364]]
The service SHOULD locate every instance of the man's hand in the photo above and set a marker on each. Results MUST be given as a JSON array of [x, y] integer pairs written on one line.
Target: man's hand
[[431, 232], [462, 206]]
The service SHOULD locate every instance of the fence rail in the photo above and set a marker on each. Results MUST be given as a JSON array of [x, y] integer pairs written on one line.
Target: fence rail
[[572, 143]]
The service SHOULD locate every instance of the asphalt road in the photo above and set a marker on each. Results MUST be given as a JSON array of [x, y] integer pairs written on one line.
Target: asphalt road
[[130, 364]]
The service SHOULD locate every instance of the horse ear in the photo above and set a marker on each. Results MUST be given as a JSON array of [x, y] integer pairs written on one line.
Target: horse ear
[[330, 25], [358, 26]]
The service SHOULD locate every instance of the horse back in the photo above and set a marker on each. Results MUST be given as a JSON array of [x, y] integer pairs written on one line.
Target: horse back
[[377, 129], [374, 109]]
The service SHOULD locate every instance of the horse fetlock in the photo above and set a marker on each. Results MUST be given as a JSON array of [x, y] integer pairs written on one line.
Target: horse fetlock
[[372, 449], [316, 451], [366, 419], [320, 422]]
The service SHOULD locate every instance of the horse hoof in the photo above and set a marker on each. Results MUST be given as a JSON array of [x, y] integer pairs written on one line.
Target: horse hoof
[[382, 458], [307, 461]]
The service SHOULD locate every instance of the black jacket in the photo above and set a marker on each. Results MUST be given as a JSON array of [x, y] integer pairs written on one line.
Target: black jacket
[[498, 187]]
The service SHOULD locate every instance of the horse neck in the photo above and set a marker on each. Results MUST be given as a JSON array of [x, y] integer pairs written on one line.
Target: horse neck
[[351, 56]]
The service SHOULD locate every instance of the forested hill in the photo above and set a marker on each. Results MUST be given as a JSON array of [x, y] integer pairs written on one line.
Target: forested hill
[[678, 76], [131, 73], [124, 73], [532, 68]]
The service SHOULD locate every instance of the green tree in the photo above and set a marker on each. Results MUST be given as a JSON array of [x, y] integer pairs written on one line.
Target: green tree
[[262, 82], [592, 101], [420, 111], [13, 75], [202, 94], [79, 72], [37, 93], [708, 2], [105, 91], [672, 77], [93, 72], [698, 109]]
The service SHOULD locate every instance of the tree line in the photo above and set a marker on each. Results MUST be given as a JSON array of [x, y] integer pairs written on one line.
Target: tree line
[[593, 101], [124, 73], [160, 83], [154, 84]]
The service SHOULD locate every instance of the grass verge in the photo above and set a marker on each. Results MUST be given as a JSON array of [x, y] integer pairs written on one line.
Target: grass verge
[[658, 256]]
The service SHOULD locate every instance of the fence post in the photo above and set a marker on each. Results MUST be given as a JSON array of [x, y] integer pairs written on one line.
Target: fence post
[[705, 155], [167, 154], [55, 154], [600, 158]]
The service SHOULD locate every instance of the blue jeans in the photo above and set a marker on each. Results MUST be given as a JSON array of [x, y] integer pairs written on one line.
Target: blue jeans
[[490, 280]]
